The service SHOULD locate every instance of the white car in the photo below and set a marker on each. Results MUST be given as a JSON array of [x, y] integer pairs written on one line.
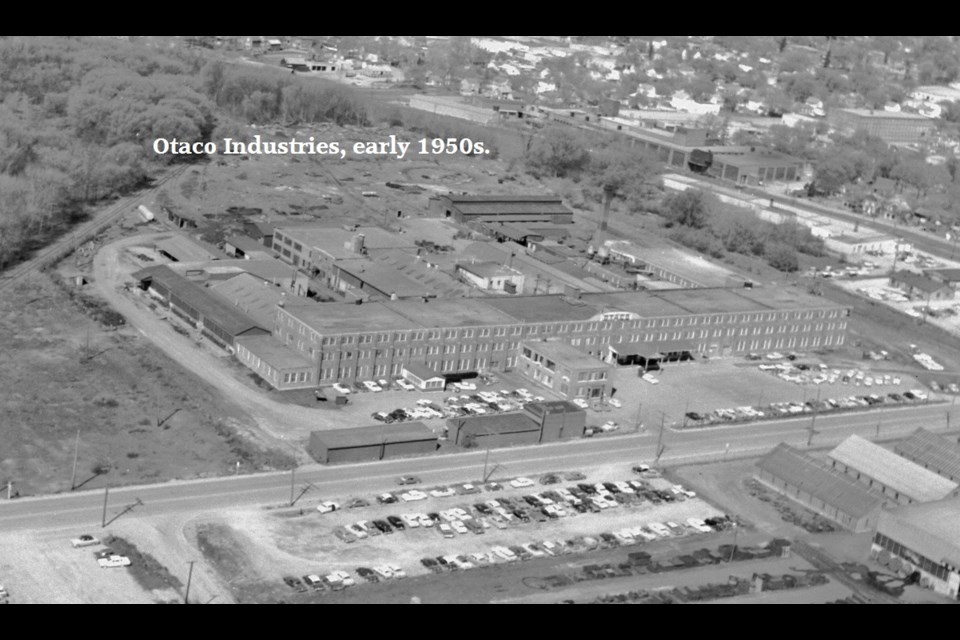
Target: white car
[[344, 577], [372, 386], [580, 402], [446, 492], [403, 384], [328, 506], [466, 386], [425, 521], [412, 520], [113, 562], [342, 390], [413, 496], [649, 378], [519, 483], [699, 525], [384, 572], [613, 402], [610, 425], [357, 529], [397, 571], [532, 550], [84, 541], [625, 536], [459, 527], [505, 554]]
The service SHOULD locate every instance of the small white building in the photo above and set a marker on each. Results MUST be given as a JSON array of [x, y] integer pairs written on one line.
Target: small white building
[[491, 276], [864, 245]]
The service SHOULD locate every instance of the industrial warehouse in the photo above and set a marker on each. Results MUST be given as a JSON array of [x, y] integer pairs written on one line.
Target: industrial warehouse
[[350, 342]]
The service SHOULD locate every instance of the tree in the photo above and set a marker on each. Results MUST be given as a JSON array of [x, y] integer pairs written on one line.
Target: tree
[[782, 257], [688, 208], [558, 151]]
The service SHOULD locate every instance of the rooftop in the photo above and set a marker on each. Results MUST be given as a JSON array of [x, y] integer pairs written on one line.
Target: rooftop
[[552, 406], [918, 281], [332, 241], [799, 469], [184, 249], [494, 424], [508, 204], [374, 435], [247, 244], [255, 297], [682, 263], [273, 352], [948, 275], [269, 269], [384, 278], [930, 529], [563, 353], [756, 159], [932, 452], [891, 470], [488, 269]]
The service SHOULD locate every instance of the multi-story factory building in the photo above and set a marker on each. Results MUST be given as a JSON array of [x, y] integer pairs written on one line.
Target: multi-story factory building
[[350, 342]]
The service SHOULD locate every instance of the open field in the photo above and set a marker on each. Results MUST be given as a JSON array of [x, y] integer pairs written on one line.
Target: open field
[[65, 373]]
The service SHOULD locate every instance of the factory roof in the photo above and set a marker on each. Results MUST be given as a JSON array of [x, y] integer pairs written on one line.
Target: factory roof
[[255, 297], [269, 269], [880, 114], [489, 269], [932, 452], [384, 278], [333, 241], [273, 352], [495, 424], [918, 281], [929, 529], [688, 265], [508, 204], [891, 470], [184, 249], [800, 470], [563, 353]]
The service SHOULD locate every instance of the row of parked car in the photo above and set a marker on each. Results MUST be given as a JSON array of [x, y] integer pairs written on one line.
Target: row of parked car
[[479, 403], [509, 511], [384, 384], [624, 537], [783, 409], [800, 373]]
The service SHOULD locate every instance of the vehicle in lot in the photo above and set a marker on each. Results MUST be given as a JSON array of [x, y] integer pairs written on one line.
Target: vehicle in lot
[[465, 386], [396, 522], [413, 496], [370, 385], [328, 506], [341, 389], [386, 498], [295, 583], [313, 581], [647, 377], [405, 480], [521, 482], [383, 526], [580, 402], [444, 492], [613, 402], [699, 525], [113, 561], [403, 384], [85, 540], [459, 527], [345, 535], [446, 530]]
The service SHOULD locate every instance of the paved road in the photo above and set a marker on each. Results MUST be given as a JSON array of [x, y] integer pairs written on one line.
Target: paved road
[[83, 510]]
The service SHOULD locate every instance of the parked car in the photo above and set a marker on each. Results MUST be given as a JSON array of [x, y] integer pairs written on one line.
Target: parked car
[[84, 541], [519, 483], [328, 506], [403, 384], [405, 480], [341, 389]]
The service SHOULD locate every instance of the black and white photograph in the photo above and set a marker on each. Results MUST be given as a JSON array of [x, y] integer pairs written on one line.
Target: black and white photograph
[[479, 319]]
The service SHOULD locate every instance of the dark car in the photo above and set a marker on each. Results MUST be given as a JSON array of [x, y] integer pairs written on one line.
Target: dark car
[[483, 509], [368, 574], [588, 489], [581, 507], [295, 583], [434, 516], [405, 480], [521, 515], [574, 476], [383, 526], [532, 501], [909, 395], [429, 563], [396, 522], [609, 540], [896, 397], [693, 415], [357, 503], [612, 488]]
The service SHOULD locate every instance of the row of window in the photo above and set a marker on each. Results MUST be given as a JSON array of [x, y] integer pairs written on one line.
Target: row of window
[[365, 372]]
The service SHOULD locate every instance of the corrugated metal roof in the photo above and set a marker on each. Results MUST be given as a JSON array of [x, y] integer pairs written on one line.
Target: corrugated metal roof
[[931, 529], [816, 478], [891, 470], [253, 296], [184, 249], [932, 452]]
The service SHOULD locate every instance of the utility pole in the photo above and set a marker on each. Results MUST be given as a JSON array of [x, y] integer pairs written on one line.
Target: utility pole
[[103, 519], [293, 475], [486, 459], [813, 419], [9, 489], [663, 419], [76, 450], [639, 410], [186, 595]]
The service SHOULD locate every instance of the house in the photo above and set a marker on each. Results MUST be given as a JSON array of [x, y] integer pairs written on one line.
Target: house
[[920, 286], [247, 248]]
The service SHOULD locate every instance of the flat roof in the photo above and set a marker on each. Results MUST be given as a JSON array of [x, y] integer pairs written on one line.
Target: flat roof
[[488, 269], [374, 435], [275, 353], [253, 296], [551, 407], [891, 470], [516, 422], [508, 205], [399, 315], [384, 278], [932, 452], [422, 371], [931, 529], [332, 240], [756, 159], [247, 244], [918, 281], [689, 265], [563, 353], [950, 275], [801, 470], [269, 269]]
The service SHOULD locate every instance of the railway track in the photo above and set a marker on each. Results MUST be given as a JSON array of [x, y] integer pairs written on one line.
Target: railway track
[[72, 239]]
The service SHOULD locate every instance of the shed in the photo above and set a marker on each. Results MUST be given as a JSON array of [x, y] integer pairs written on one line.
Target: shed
[[423, 377]]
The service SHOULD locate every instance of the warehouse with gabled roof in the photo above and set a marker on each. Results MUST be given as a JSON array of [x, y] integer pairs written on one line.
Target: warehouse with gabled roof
[[894, 476], [932, 452]]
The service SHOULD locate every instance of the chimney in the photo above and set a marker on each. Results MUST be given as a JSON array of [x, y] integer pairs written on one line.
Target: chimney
[[608, 192]]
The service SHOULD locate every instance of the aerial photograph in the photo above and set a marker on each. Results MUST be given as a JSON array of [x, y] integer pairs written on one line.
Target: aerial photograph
[[479, 319]]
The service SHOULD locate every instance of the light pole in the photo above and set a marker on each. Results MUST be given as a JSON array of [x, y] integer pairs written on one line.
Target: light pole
[[103, 519], [76, 451], [186, 595]]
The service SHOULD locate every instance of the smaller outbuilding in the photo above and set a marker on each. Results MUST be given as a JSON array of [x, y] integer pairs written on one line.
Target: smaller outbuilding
[[377, 442], [423, 377]]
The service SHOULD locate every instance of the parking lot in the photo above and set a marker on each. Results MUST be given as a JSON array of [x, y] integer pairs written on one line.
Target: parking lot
[[414, 531]]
